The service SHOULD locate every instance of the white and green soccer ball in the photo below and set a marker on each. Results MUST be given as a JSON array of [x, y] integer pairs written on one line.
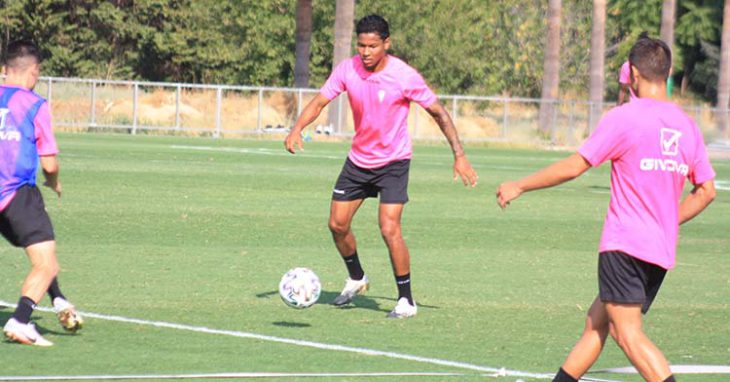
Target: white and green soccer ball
[[300, 288]]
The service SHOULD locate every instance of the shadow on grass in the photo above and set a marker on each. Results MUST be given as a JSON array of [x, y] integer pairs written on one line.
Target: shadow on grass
[[290, 324], [359, 302]]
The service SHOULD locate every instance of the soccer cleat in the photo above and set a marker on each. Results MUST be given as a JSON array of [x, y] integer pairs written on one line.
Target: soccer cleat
[[352, 288], [24, 333], [403, 309], [69, 319]]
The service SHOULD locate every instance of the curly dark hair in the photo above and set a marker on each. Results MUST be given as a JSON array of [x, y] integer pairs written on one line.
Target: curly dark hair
[[373, 24]]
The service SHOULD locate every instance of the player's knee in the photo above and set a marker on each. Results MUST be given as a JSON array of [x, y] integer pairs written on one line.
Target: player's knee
[[625, 338], [338, 228], [48, 266], [390, 231]]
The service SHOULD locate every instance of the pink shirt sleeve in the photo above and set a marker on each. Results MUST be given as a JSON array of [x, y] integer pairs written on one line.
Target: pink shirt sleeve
[[625, 74], [335, 84], [701, 170], [605, 143], [45, 141], [417, 91]]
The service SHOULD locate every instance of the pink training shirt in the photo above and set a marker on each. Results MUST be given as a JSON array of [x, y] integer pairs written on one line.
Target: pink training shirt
[[624, 78], [653, 147], [25, 134], [380, 103]]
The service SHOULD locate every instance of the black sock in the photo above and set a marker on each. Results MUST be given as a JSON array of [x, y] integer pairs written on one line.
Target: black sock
[[54, 290], [353, 267], [670, 379], [562, 376], [404, 287], [24, 310]]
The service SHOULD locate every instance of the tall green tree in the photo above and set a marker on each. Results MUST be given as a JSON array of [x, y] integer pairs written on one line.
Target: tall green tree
[[303, 42], [344, 25], [551, 73], [723, 81], [598, 55]]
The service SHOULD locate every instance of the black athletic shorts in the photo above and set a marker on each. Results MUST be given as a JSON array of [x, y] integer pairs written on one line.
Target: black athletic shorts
[[390, 181], [24, 221], [624, 279]]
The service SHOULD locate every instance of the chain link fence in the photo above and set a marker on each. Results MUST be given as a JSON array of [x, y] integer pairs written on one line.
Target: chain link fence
[[221, 111]]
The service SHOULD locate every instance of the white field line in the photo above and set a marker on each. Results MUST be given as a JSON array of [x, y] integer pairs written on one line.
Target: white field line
[[676, 369], [722, 184], [259, 151], [342, 157], [217, 376], [312, 344]]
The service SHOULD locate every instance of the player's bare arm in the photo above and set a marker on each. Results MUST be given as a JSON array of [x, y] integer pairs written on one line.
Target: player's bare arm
[[49, 164], [462, 167], [553, 175], [309, 114], [701, 196]]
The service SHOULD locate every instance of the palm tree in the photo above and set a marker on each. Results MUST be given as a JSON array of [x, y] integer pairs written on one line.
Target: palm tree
[[723, 81], [551, 68], [344, 20], [669, 10], [598, 58], [304, 39]]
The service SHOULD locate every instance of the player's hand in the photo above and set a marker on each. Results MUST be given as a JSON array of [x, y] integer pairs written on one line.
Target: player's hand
[[55, 187], [463, 170], [507, 192], [293, 140]]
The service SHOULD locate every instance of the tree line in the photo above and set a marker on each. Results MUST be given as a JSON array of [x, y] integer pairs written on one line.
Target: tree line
[[484, 47]]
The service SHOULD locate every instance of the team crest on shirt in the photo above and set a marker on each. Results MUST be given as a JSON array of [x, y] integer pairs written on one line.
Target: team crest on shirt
[[7, 133], [381, 95], [670, 141]]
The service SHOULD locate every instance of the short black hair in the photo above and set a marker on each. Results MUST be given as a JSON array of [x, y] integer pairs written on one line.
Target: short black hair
[[20, 49], [373, 24], [652, 57]]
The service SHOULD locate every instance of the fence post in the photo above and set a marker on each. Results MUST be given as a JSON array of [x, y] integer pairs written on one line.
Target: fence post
[[554, 127], [299, 104], [505, 113], [93, 104], [135, 97], [453, 109], [259, 118], [50, 93], [218, 102], [177, 108], [571, 128]]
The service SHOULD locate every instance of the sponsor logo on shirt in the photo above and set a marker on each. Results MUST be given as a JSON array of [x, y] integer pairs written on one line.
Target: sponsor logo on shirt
[[668, 165], [381, 95], [669, 143], [7, 133]]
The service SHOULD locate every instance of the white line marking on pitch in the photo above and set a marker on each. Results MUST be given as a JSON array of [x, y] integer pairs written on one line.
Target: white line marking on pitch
[[259, 151], [676, 369], [317, 345], [217, 376]]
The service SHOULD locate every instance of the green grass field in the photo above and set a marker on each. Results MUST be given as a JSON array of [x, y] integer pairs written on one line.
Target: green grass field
[[198, 232]]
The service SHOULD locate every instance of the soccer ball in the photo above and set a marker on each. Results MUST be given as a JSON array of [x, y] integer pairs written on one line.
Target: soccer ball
[[300, 288]]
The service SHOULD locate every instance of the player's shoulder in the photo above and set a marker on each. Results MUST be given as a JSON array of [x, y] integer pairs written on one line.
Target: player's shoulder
[[402, 67], [29, 95]]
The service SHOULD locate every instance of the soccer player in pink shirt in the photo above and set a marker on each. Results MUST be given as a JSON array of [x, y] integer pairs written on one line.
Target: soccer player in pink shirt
[[624, 83], [653, 147], [380, 88], [625, 92], [26, 139]]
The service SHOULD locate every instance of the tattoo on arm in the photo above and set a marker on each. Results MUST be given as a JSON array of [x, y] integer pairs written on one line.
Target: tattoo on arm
[[443, 119]]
